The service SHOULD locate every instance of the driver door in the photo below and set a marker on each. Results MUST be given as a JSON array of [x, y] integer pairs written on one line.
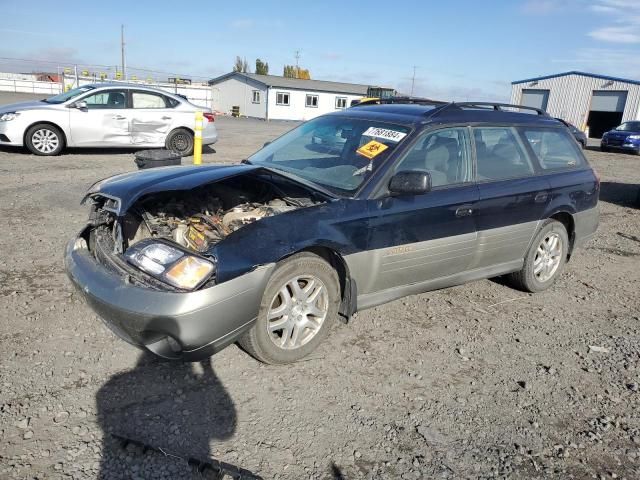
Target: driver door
[[104, 121], [417, 238]]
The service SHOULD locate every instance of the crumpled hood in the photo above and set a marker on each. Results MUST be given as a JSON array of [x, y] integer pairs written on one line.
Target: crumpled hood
[[129, 187], [22, 106]]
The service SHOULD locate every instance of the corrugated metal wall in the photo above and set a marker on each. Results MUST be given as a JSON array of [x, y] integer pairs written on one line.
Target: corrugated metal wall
[[570, 96]]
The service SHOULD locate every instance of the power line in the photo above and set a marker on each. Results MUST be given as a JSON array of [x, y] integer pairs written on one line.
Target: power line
[[413, 79]]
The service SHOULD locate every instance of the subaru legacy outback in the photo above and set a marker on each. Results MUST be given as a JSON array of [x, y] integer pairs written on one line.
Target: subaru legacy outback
[[421, 195]]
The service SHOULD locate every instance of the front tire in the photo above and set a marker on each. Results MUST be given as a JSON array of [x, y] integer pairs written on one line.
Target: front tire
[[603, 149], [545, 259], [44, 139], [298, 307], [180, 141]]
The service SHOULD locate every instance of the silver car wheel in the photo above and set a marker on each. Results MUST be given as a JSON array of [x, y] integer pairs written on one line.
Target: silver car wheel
[[297, 312], [45, 140], [548, 257]]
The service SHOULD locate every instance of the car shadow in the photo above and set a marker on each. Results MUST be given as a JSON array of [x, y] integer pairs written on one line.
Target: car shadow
[[177, 410], [623, 194]]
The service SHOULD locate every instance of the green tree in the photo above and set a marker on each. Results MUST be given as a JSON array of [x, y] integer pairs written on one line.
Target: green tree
[[291, 71], [262, 68], [241, 65]]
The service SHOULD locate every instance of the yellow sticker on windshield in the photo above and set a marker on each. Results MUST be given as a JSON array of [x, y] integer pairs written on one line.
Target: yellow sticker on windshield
[[372, 149]]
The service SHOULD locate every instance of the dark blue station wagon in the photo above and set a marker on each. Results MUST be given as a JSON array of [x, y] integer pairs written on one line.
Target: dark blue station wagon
[[410, 196]]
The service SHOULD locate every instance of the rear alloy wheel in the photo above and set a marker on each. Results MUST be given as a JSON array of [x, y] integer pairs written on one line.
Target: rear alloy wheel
[[44, 139], [545, 259], [298, 306], [180, 141]]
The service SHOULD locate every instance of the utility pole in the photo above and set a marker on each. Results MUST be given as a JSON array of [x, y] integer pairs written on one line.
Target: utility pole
[[124, 71], [297, 60], [413, 79]]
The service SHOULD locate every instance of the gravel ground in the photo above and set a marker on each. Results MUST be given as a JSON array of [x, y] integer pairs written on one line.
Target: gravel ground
[[475, 381]]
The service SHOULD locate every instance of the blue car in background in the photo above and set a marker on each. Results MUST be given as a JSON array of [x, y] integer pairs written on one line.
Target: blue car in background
[[625, 137]]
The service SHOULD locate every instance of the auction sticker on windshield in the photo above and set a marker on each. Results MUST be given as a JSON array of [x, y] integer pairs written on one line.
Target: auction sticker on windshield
[[372, 149], [385, 133]]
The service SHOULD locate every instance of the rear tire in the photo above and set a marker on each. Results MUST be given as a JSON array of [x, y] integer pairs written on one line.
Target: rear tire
[[298, 307], [180, 141], [44, 139], [545, 259]]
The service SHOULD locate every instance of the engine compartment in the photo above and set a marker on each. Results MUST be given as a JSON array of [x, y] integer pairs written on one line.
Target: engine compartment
[[198, 219]]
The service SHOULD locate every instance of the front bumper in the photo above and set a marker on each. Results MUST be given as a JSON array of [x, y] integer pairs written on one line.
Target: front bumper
[[11, 133], [626, 146], [178, 326]]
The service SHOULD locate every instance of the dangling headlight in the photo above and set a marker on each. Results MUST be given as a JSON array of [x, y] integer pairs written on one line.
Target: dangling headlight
[[170, 264]]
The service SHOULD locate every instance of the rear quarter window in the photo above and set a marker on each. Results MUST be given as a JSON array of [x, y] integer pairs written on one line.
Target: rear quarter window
[[554, 148]]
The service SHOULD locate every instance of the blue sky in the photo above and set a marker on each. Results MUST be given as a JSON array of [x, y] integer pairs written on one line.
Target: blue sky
[[462, 49]]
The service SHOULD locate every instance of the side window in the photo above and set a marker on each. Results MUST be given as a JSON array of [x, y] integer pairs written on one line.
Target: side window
[[282, 98], [341, 102], [553, 148], [148, 100], [109, 99], [500, 154], [445, 154], [255, 96]]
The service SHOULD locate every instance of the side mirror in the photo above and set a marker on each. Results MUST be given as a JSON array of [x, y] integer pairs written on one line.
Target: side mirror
[[410, 182], [81, 105]]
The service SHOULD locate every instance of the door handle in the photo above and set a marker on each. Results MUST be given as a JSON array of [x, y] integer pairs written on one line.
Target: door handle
[[541, 197], [166, 118], [119, 117], [464, 211]]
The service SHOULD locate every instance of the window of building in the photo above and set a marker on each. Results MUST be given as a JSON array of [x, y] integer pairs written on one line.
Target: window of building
[[553, 148], [500, 154], [445, 154], [148, 100], [282, 98], [341, 102], [312, 101], [255, 96], [109, 99]]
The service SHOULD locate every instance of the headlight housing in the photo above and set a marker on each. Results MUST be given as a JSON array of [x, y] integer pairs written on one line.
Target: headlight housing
[[5, 117], [633, 137], [170, 264]]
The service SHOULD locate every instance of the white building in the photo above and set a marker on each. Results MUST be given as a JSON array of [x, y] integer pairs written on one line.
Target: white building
[[271, 97], [583, 99]]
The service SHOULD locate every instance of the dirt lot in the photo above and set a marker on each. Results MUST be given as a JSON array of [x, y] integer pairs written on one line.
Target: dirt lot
[[475, 381]]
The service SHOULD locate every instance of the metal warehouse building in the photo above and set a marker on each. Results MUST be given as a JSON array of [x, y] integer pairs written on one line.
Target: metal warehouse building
[[272, 97], [584, 99]]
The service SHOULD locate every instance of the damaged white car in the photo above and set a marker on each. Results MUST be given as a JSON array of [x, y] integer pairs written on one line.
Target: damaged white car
[[105, 115]]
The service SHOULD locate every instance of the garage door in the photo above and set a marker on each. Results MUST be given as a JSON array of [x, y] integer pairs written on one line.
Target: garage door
[[535, 98], [608, 101]]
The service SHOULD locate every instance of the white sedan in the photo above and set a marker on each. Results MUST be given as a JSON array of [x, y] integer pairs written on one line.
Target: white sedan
[[105, 115]]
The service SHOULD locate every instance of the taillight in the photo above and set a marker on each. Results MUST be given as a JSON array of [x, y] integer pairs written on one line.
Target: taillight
[[209, 117]]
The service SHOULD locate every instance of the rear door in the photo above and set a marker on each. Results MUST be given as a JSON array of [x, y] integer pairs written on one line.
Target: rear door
[[416, 238], [152, 118], [105, 121], [513, 197]]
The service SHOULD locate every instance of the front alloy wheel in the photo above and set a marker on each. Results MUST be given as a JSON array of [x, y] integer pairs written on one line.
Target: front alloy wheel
[[298, 306], [297, 312], [44, 139]]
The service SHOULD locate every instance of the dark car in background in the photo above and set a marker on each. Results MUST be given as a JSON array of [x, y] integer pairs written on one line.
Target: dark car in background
[[626, 138], [183, 261], [578, 134]]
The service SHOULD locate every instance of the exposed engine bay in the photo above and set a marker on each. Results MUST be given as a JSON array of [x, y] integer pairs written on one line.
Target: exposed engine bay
[[198, 219]]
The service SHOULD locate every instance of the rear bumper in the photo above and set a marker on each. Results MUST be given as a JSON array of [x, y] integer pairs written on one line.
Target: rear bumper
[[178, 326], [586, 224], [209, 134]]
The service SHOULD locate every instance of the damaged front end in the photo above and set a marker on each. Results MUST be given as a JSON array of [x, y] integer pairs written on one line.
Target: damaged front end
[[164, 240]]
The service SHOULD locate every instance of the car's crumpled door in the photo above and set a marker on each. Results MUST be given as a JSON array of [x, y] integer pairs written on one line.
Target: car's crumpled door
[[151, 118], [103, 122]]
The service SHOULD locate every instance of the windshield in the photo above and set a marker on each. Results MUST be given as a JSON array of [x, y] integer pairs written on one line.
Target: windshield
[[63, 97], [629, 127], [334, 152]]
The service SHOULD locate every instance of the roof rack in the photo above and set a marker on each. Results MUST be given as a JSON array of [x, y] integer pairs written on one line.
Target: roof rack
[[498, 106], [403, 99]]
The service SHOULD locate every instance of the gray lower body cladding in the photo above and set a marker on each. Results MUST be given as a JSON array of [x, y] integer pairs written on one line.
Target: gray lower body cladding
[[189, 326]]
